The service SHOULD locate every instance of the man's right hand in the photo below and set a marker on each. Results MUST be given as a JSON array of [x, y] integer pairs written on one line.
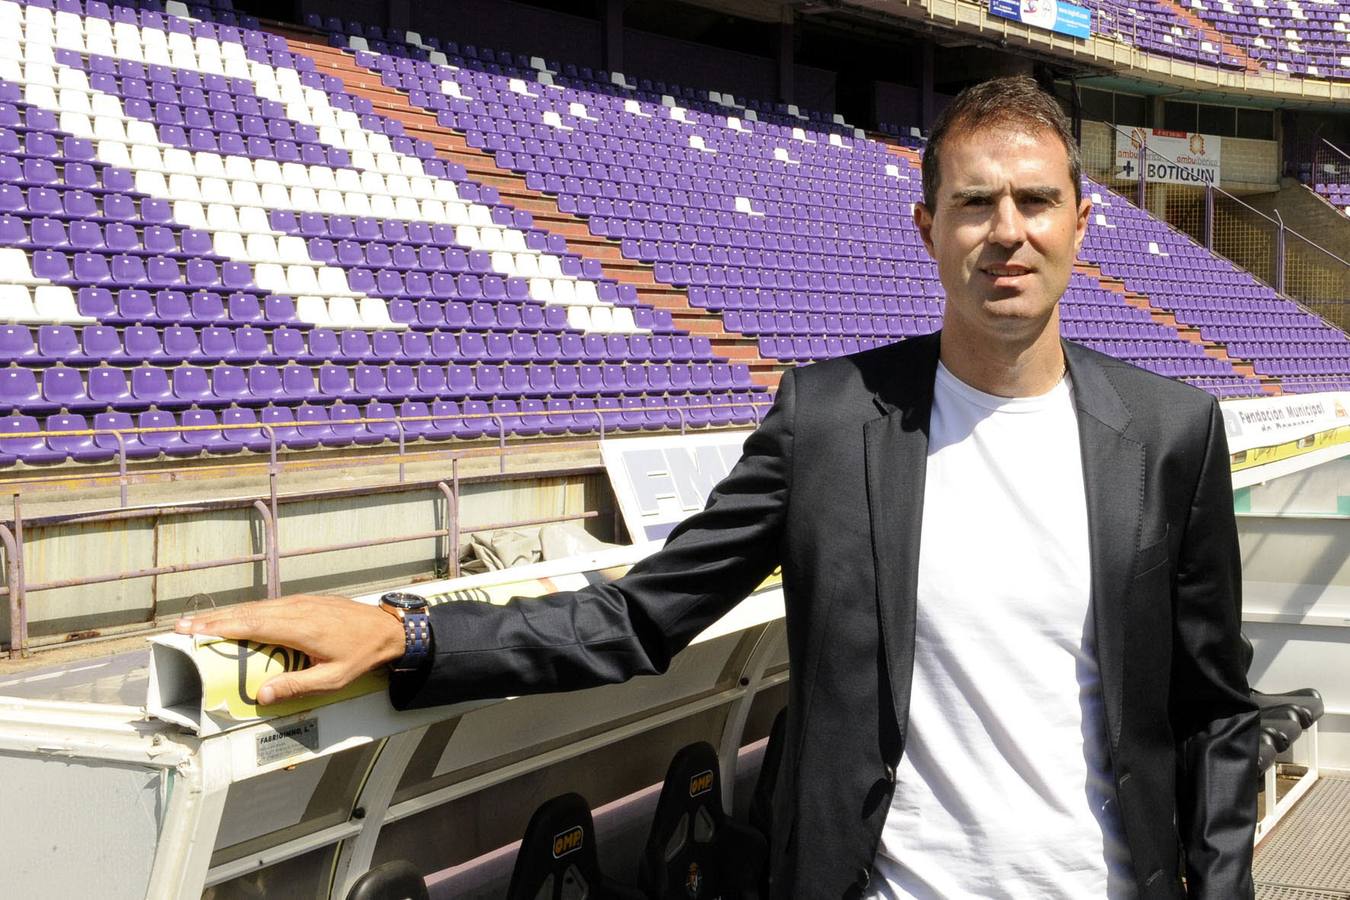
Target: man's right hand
[[343, 639]]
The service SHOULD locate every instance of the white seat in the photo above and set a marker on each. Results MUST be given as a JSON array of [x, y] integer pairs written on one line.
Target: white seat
[[274, 196], [586, 293], [321, 178], [526, 265], [16, 304], [407, 208], [305, 199], [379, 143], [215, 189], [55, 303], [382, 206], [347, 180], [467, 236], [431, 210], [623, 319], [333, 282], [373, 183], [302, 280], [602, 318], [480, 216], [146, 159], [490, 239], [550, 266], [229, 244], [178, 161], [270, 277], [375, 314], [291, 250], [253, 218], [245, 193], [110, 152], [314, 310], [342, 313], [152, 183], [579, 317], [541, 290], [262, 248], [40, 95], [267, 170], [223, 217], [294, 174], [71, 100], [419, 185], [138, 132], [184, 186], [513, 241], [189, 214], [564, 291], [208, 165], [356, 204], [446, 191], [456, 213], [330, 199]]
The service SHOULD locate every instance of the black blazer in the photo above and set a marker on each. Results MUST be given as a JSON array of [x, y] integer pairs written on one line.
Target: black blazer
[[830, 486]]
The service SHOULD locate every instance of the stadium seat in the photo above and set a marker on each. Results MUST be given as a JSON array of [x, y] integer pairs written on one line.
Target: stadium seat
[[558, 858], [397, 879], [693, 848]]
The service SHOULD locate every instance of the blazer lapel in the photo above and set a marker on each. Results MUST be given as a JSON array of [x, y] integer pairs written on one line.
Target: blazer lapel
[[896, 453], [1113, 479]]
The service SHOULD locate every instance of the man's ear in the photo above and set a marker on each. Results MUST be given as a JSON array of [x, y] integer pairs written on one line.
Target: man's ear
[[923, 220], [1084, 209]]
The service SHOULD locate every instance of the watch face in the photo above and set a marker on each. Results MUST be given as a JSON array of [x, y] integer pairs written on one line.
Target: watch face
[[404, 600]]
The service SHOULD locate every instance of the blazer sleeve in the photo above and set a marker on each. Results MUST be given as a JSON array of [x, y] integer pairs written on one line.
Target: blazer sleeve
[[607, 633], [1214, 721]]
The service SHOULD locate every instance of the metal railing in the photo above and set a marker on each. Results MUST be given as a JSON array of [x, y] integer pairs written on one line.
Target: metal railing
[[1287, 261], [17, 588]]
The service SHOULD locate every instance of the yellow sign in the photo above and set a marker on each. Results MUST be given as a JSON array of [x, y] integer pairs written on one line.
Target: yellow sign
[[701, 783], [1260, 456], [567, 842], [232, 672]]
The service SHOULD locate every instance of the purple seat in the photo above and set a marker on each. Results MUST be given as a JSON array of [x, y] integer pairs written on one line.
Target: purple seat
[[17, 346], [314, 423], [282, 421], [80, 448], [346, 425], [169, 442], [191, 384], [210, 439], [247, 435], [64, 387], [33, 450], [379, 410], [107, 422], [19, 392]]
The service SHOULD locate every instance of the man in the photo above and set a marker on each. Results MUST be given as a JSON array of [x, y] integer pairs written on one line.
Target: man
[[1011, 578]]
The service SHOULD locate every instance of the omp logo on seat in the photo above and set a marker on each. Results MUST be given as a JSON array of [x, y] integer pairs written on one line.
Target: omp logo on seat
[[567, 841], [701, 783]]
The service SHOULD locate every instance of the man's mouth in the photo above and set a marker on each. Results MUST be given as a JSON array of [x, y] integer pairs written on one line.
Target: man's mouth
[[1005, 271]]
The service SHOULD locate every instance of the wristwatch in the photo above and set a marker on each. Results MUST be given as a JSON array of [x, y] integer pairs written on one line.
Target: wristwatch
[[411, 610]]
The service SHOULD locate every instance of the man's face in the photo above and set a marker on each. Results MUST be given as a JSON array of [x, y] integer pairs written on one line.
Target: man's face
[[1005, 231]]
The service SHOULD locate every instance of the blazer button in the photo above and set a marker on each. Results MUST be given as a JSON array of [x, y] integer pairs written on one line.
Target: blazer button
[[890, 775], [864, 876]]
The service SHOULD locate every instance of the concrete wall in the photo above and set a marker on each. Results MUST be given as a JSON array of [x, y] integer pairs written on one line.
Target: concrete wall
[[68, 550]]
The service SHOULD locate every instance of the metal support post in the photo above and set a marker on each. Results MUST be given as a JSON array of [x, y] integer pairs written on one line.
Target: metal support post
[[271, 549], [18, 637]]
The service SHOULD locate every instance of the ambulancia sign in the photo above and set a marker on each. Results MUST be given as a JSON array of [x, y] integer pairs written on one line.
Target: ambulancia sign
[[1173, 157]]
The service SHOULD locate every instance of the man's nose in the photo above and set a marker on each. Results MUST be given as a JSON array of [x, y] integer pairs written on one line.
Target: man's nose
[[1008, 227]]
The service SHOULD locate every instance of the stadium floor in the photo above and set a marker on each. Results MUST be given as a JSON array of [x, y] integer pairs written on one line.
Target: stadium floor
[[1307, 857]]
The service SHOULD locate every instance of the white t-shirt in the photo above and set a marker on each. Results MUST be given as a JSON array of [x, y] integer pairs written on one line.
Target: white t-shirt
[[1004, 784]]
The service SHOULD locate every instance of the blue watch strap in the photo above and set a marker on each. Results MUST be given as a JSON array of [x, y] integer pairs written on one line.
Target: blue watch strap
[[416, 643]]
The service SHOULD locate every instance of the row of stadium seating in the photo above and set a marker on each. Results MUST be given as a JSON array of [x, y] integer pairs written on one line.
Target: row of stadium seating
[[380, 253]]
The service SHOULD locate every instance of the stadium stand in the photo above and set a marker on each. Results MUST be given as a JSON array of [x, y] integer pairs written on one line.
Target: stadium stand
[[209, 227], [1285, 35]]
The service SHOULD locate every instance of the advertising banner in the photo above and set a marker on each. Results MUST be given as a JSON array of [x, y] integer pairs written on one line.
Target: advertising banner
[[1174, 157], [1266, 428], [1052, 15]]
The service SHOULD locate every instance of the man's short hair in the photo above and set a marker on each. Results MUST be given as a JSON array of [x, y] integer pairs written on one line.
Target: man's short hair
[[1012, 102]]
